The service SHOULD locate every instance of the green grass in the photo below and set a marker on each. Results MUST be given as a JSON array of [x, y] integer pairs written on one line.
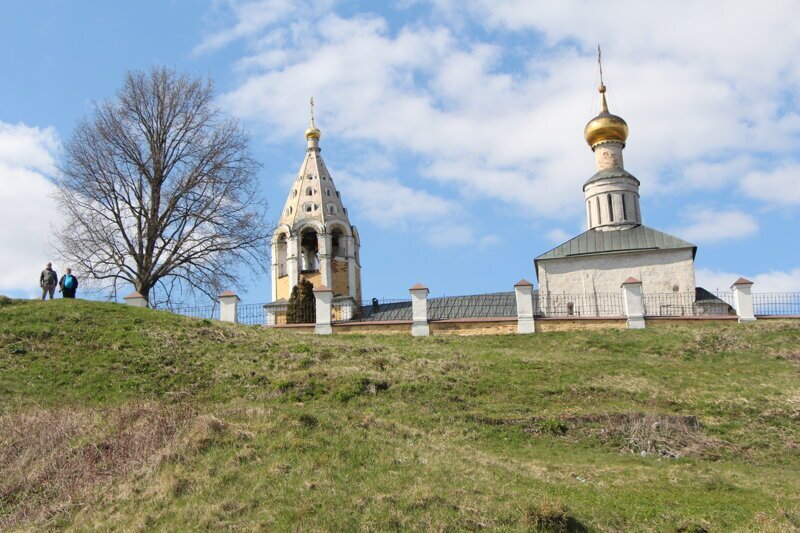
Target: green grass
[[125, 418]]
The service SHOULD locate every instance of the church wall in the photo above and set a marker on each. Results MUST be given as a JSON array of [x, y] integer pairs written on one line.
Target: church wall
[[659, 271], [596, 195], [339, 277], [282, 288], [359, 297], [314, 277]]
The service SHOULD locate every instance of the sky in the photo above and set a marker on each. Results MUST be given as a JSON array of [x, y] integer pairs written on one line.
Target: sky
[[454, 130]]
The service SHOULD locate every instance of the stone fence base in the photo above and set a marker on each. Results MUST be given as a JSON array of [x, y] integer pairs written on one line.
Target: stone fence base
[[507, 326]]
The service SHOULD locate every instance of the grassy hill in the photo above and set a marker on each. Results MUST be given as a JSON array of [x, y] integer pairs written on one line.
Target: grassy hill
[[117, 417]]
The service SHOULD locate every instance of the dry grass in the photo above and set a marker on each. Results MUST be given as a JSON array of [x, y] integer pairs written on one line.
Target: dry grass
[[51, 458], [551, 515], [668, 436], [665, 436]]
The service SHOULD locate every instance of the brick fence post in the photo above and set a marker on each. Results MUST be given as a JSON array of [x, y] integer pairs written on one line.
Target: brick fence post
[[632, 297], [324, 298], [743, 300], [523, 290], [229, 307], [419, 310]]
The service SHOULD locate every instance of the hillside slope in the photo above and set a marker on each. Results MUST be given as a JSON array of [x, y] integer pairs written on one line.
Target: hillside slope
[[112, 416]]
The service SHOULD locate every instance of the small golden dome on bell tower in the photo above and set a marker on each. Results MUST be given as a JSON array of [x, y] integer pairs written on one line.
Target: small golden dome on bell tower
[[312, 132]]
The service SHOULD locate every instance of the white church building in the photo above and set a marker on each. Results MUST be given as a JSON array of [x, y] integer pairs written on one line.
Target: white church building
[[617, 246]]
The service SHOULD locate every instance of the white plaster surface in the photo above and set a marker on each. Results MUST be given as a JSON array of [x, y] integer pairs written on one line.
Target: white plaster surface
[[524, 297], [419, 312], [743, 301], [659, 271], [228, 307]]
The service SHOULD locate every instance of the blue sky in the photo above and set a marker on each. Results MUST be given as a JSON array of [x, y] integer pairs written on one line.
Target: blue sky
[[453, 129]]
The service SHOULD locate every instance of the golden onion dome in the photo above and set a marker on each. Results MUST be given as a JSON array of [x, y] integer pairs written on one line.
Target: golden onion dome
[[605, 126], [312, 132]]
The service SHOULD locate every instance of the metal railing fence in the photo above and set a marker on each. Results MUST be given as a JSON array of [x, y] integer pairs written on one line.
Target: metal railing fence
[[686, 304], [209, 312], [278, 315], [372, 310], [473, 306], [546, 305], [553, 305], [776, 303], [251, 314]]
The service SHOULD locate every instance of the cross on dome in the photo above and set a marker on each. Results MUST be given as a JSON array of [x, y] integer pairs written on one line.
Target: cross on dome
[[605, 127]]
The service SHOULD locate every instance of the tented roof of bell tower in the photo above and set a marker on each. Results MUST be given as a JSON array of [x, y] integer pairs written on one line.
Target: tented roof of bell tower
[[313, 197]]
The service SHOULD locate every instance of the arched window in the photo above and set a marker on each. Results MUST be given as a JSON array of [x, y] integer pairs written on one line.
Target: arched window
[[597, 204], [309, 207], [624, 209], [309, 191], [294, 193], [327, 192], [610, 208], [288, 211], [332, 209], [589, 212]]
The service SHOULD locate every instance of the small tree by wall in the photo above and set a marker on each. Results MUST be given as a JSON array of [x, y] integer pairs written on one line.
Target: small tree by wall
[[302, 304]]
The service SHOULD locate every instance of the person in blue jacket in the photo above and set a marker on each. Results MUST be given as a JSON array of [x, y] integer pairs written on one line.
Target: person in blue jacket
[[68, 285]]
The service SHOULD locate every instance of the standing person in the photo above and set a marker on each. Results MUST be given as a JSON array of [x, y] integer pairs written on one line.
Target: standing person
[[48, 280], [68, 284]]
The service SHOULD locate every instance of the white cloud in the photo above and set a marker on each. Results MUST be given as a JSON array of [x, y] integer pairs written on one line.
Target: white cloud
[[26, 159], [772, 281], [394, 206], [778, 186], [700, 107], [249, 19], [558, 235], [709, 225], [704, 175], [28, 147]]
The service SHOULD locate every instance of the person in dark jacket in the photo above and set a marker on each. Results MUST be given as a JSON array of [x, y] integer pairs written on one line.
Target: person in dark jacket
[[48, 280], [68, 285]]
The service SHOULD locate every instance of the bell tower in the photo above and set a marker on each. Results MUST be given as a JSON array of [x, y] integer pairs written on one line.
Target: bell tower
[[314, 239]]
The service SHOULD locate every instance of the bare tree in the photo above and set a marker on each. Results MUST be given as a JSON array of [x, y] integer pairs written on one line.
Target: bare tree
[[159, 190]]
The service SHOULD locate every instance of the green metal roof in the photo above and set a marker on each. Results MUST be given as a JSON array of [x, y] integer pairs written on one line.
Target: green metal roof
[[611, 173], [637, 238]]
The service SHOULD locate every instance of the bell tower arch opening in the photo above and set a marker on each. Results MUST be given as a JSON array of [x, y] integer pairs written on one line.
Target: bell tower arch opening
[[338, 248], [309, 250]]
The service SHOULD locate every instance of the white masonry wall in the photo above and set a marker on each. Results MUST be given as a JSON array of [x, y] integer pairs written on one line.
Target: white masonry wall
[[659, 270]]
